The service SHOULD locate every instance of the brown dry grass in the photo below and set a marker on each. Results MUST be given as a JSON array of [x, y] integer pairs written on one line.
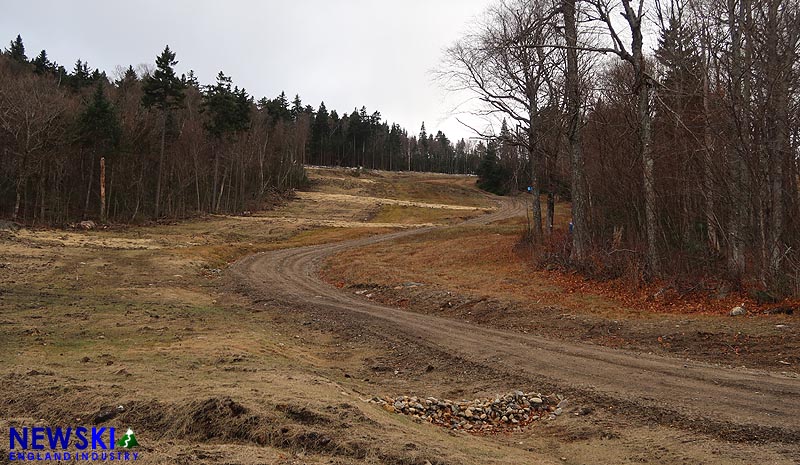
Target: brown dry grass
[[480, 262], [137, 317]]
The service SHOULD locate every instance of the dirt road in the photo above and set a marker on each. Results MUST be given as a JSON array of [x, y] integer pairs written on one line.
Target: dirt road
[[733, 404]]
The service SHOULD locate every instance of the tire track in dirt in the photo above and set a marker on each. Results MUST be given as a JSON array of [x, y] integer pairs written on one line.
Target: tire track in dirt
[[738, 404]]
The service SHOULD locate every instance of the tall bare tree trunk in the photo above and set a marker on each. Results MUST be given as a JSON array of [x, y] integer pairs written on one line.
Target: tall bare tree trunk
[[161, 164], [18, 201], [221, 191], [779, 143], [708, 163], [536, 188], [110, 195], [103, 189], [736, 160], [643, 89], [646, 153], [89, 187], [580, 232], [42, 199], [196, 181], [214, 201]]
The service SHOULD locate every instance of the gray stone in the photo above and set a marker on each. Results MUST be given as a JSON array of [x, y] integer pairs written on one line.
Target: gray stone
[[738, 311]]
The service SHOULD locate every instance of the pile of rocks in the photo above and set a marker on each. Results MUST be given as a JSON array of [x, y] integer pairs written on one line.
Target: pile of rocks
[[509, 412]]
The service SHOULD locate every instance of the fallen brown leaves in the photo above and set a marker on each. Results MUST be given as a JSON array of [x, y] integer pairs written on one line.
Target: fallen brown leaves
[[661, 296]]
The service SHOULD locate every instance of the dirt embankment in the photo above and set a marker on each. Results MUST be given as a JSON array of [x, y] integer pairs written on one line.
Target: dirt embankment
[[475, 274]]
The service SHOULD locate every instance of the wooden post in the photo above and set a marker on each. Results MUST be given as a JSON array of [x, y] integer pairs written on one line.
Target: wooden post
[[103, 189]]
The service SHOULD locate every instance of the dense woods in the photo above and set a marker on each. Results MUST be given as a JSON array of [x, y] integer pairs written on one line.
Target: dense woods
[[149, 143], [671, 125]]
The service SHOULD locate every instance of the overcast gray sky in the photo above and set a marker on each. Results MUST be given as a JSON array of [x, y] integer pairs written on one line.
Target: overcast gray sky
[[350, 53]]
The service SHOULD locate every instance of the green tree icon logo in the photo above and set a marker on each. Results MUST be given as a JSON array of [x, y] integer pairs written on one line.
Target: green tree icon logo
[[128, 441]]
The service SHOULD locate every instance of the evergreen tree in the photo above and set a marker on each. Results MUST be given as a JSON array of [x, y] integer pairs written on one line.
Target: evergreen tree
[[41, 64], [228, 110], [164, 91], [98, 76], [356, 129], [244, 104], [297, 107], [16, 50], [423, 148], [462, 164], [395, 147], [128, 79], [99, 130], [191, 80], [508, 154], [98, 125], [80, 76], [282, 101], [320, 132], [279, 108], [492, 176], [228, 107]]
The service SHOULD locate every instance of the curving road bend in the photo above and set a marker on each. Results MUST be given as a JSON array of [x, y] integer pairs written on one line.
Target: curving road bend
[[735, 404]]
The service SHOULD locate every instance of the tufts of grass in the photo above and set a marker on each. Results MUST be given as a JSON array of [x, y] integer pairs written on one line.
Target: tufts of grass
[[404, 214]]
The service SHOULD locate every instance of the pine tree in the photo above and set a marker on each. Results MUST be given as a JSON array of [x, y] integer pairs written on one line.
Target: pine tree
[[98, 76], [320, 132], [98, 125], [99, 129], [16, 50], [491, 175], [128, 80], [164, 91], [41, 64], [228, 108], [80, 76], [297, 107], [279, 108], [191, 80], [244, 106], [424, 149]]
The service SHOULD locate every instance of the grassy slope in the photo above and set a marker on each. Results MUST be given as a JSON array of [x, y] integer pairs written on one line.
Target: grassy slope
[[137, 317]]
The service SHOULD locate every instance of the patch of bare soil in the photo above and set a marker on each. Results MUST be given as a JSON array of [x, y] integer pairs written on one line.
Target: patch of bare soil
[[139, 317], [706, 401], [474, 275], [760, 342], [152, 328]]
